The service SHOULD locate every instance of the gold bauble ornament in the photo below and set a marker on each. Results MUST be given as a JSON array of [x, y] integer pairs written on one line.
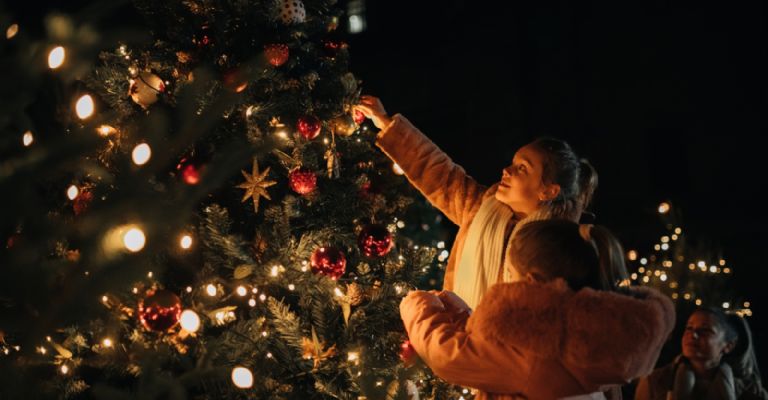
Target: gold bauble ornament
[[145, 88], [344, 125]]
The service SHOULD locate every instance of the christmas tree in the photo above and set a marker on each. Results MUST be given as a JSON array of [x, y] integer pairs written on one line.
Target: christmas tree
[[201, 215]]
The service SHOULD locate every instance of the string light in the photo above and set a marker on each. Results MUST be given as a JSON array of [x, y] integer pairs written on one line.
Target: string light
[[11, 31], [252, 302], [291, 286], [632, 255], [665, 239], [641, 270], [64, 369], [665, 246], [262, 297], [634, 276], [241, 291], [712, 269], [338, 292], [353, 356], [134, 239], [84, 106], [397, 170], [722, 262], [255, 290], [150, 274], [107, 342], [42, 350], [242, 377], [56, 57], [664, 208], [106, 130], [72, 192], [189, 321], [726, 305], [274, 270], [141, 154], [211, 290], [643, 261], [27, 138], [698, 302], [269, 355], [189, 289], [678, 231], [440, 245], [746, 304], [185, 242], [263, 333], [726, 270], [443, 256]]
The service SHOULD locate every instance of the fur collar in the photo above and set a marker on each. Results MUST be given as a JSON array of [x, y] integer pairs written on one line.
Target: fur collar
[[588, 330]]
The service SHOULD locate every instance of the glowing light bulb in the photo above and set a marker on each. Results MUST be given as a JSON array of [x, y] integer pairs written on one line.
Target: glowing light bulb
[[338, 292], [242, 377], [56, 57], [134, 240], [64, 369], [185, 242], [252, 302], [107, 342], [72, 192], [84, 106], [353, 356], [104, 299], [27, 138], [274, 271], [141, 154], [11, 31], [211, 290], [726, 305], [242, 291], [189, 321], [106, 130], [291, 286], [397, 170], [664, 208]]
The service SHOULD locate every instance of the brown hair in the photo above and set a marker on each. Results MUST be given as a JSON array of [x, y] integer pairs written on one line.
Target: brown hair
[[576, 177], [555, 248]]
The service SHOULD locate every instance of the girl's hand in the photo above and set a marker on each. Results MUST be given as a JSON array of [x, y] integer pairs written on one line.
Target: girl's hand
[[372, 108]]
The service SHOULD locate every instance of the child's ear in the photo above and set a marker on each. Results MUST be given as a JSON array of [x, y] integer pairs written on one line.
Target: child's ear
[[729, 347], [549, 192]]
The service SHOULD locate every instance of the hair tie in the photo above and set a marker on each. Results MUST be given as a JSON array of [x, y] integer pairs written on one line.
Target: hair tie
[[585, 232]]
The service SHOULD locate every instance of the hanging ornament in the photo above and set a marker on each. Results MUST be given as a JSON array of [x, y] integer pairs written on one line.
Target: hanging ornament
[[256, 185], [370, 186], [277, 54], [160, 310], [328, 261], [302, 181], [292, 12], [145, 88], [82, 201], [408, 354], [202, 38], [358, 117], [331, 157], [309, 126], [189, 170], [333, 48], [375, 240], [343, 125]]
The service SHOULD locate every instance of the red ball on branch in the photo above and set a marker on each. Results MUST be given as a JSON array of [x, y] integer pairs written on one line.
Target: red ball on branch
[[375, 241], [309, 126], [408, 354], [160, 310], [302, 181], [277, 54], [189, 170], [358, 116], [328, 261]]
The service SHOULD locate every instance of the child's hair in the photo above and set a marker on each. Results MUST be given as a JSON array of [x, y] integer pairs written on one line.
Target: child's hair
[[576, 177], [741, 358], [583, 255]]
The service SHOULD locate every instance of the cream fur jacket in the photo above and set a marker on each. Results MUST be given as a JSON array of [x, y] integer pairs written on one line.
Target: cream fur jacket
[[539, 340]]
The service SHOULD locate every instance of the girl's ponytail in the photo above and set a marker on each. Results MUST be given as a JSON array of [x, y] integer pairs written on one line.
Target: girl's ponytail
[[613, 271]]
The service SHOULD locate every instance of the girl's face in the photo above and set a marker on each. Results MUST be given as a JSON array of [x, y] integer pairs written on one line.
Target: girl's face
[[521, 186], [704, 340]]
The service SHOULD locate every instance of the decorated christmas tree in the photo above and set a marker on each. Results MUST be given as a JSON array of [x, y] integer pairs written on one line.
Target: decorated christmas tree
[[202, 214]]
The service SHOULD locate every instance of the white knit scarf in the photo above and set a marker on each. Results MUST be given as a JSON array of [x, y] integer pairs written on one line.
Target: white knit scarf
[[482, 256]]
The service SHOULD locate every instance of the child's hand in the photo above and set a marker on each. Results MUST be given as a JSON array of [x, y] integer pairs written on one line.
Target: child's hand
[[453, 303], [372, 108]]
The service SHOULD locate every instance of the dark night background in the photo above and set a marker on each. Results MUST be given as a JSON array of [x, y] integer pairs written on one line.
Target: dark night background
[[668, 99]]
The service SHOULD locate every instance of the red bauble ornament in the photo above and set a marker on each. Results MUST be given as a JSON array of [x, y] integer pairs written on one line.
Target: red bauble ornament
[[160, 310], [358, 116], [82, 201], [302, 181], [332, 48], [408, 354], [309, 127], [189, 171], [277, 54], [375, 241], [328, 261]]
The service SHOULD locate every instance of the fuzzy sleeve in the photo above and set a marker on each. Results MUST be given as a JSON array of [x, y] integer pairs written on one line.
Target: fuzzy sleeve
[[455, 355], [431, 171]]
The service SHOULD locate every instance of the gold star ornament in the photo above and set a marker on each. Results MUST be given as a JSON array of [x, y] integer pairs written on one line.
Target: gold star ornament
[[256, 185]]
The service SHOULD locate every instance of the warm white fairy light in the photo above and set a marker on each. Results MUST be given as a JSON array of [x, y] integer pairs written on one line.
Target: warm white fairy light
[[48, 338], [698, 302], [691, 266], [106, 130], [56, 57], [726, 305], [665, 246], [135, 290], [634, 276], [673, 285], [664, 208], [722, 262], [678, 231], [632, 255], [150, 274], [27, 138], [675, 296], [397, 170], [657, 247], [255, 290], [189, 289], [185, 242], [353, 356], [379, 383], [274, 270], [241, 291], [657, 273], [107, 342], [291, 286], [42, 350], [643, 261], [84, 106], [641, 270], [141, 154], [269, 355], [11, 31], [262, 297], [663, 277], [72, 192], [134, 239], [443, 256], [220, 317], [746, 304], [242, 377], [264, 334], [211, 289], [252, 302], [64, 369], [398, 289], [674, 237], [338, 292], [440, 245], [646, 279], [325, 141], [712, 269], [189, 321], [701, 264], [726, 270]]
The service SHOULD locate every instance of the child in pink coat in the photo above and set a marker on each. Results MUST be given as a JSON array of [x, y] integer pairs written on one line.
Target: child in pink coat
[[567, 327]]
